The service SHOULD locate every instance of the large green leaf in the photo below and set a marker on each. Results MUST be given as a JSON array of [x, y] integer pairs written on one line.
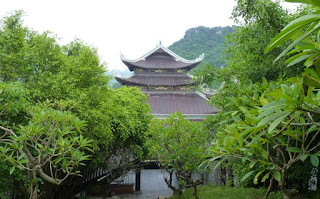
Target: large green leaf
[[303, 157], [312, 2], [294, 149], [277, 175], [265, 177], [291, 29], [277, 121], [270, 108], [295, 42], [311, 60], [297, 58], [311, 81], [305, 48], [12, 169], [256, 177], [273, 116], [314, 160], [247, 175]]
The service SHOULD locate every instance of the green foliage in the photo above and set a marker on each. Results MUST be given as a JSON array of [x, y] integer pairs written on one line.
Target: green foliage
[[39, 72], [14, 185], [48, 147], [263, 19], [176, 141], [312, 2], [245, 57], [209, 192], [305, 35], [12, 44], [299, 176], [239, 170], [14, 103], [209, 41], [118, 120], [179, 144], [271, 126]]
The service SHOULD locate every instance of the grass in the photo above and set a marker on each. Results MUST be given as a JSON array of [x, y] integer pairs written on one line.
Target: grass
[[210, 192]]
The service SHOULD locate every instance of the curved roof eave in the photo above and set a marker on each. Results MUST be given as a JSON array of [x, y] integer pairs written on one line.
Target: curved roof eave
[[131, 65], [177, 57], [127, 81]]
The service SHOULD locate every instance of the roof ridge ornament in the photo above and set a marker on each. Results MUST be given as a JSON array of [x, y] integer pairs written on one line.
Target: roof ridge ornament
[[167, 50]]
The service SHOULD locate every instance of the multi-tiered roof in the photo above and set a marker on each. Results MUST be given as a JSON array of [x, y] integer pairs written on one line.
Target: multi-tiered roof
[[162, 76]]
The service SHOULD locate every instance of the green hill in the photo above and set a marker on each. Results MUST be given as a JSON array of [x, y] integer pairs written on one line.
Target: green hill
[[209, 41]]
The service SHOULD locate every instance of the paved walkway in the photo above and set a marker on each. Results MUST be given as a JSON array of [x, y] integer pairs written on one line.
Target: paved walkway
[[152, 186], [142, 196], [137, 196]]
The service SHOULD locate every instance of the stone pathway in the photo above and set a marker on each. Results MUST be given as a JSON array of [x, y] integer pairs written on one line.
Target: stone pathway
[[135, 196], [152, 186], [138, 196], [143, 196]]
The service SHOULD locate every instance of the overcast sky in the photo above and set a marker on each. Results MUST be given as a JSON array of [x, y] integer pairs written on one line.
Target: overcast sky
[[132, 27]]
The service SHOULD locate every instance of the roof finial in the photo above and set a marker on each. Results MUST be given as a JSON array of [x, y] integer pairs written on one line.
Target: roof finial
[[159, 42]]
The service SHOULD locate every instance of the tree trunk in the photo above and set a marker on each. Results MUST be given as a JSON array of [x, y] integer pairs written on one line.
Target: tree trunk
[[32, 184], [286, 193], [266, 195], [223, 175], [33, 190], [229, 177], [195, 192], [180, 191], [170, 181]]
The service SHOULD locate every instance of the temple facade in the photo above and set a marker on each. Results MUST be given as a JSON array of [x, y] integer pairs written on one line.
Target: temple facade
[[163, 76]]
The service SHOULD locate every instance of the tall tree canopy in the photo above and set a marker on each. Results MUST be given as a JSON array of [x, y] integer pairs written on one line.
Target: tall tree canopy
[[273, 125], [259, 21], [70, 78]]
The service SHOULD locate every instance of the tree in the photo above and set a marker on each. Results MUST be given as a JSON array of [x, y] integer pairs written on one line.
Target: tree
[[14, 105], [12, 44], [49, 147], [272, 130], [73, 80], [259, 21], [275, 125], [179, 144]]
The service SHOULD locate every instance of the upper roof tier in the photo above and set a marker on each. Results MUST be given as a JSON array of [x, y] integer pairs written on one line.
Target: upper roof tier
[[161, 58]]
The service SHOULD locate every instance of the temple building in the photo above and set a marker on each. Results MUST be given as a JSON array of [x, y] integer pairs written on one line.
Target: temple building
[[162, 76]]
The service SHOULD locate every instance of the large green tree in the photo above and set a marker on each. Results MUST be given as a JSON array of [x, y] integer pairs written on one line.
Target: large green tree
[[72, 78], [179, 144], [275, 125], [47, 147], [259, 21]]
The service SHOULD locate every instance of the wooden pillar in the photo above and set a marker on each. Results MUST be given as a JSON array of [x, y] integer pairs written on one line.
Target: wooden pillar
[[138, 180]]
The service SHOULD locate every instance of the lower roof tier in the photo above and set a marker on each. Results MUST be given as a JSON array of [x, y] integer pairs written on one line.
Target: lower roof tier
[[156, 80], [163, 104]]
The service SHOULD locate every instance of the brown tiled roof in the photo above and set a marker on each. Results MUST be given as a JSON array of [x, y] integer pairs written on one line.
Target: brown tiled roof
[[161, 58], [156, 80], [160, 61], [186, 103]]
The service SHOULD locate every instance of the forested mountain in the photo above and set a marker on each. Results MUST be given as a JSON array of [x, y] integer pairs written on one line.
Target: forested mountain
[[209, 41]]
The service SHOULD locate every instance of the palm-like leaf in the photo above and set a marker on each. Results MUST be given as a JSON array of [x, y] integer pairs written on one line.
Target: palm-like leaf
[[311, 2]]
